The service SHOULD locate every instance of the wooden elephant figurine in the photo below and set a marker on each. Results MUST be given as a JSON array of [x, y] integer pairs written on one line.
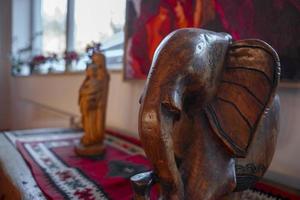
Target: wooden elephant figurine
[[209, 115]]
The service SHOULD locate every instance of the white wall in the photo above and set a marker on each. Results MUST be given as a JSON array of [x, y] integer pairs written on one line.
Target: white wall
[[285, 166], [5, 44], [60, 93]]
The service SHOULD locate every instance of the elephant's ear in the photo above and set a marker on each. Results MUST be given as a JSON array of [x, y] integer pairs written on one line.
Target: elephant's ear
[[251, 74]]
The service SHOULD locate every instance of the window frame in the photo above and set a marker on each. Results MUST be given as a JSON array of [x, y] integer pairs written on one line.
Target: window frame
[[113, 49]]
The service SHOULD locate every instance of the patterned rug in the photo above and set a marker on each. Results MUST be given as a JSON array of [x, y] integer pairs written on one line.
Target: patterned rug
[[63, 175]]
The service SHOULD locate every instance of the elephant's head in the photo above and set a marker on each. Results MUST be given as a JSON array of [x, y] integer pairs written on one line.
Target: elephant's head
[[205, 108]]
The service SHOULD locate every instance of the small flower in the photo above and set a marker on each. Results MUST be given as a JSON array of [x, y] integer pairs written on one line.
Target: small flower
[[71, 55], [38, 59]]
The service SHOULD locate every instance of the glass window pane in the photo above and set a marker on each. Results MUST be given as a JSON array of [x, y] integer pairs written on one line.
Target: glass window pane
[[97, 20], [54, 25]]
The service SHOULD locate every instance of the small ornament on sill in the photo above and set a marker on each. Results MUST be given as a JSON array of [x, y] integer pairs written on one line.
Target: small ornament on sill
[[71, 59], [36, 61], [93, 95], [93, 47]]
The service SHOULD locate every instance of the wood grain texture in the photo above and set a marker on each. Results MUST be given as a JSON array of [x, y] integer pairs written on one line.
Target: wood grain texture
[[251, 75], [207, 106]]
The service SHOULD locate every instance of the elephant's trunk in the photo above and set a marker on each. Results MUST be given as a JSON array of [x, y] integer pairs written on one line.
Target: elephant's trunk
[[155, 128]]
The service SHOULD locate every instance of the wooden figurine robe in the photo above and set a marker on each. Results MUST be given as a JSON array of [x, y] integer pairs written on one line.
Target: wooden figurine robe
[[93, 96], [208, 117]]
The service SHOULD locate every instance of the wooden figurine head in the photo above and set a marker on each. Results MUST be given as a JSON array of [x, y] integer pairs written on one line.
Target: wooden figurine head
[[208, 111]]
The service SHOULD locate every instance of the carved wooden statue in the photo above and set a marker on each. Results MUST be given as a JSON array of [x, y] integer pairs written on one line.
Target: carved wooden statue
[[209, 115], [93, 96]]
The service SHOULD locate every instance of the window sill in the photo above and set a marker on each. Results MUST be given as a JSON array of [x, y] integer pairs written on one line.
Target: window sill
[[117, 67], [79, 72]]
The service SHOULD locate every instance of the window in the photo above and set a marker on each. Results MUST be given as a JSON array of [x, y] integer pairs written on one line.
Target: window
[[54, 14], [100, 21], [92, 21], [59, 26], [97, 21]]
